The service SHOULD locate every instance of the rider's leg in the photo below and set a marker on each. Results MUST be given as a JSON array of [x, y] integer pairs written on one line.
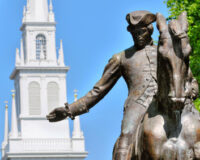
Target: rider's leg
[[132, 117]]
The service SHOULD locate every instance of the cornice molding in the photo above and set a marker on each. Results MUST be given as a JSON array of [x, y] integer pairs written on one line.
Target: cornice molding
[[39, 68], [43, 24]]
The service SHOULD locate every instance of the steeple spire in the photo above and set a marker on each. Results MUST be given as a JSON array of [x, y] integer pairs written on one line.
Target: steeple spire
[[37, 10], [14, 126], [61, 55]]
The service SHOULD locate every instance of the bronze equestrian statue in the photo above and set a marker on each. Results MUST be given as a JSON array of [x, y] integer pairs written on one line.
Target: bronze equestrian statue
[[137, 65], [170, 129]]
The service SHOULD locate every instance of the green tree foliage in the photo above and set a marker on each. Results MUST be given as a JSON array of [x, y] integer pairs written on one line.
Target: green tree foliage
[[193, 13]]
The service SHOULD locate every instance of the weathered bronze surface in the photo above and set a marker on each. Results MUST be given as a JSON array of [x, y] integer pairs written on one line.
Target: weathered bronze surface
[[138, 66]]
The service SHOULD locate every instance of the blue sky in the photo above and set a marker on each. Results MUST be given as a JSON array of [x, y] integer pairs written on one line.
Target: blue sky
[[92, 31]]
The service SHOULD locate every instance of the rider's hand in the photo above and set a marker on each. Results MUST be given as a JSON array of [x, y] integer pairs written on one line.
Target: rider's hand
[[58, 114]]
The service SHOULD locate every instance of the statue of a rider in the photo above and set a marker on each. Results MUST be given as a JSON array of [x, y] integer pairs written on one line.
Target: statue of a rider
[[137, 65]]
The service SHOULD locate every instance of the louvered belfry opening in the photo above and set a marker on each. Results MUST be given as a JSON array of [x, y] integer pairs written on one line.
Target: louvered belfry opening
[[52, 95], [34, 99]]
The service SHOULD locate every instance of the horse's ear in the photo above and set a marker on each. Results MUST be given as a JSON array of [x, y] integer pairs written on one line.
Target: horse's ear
[[161, 23], [182, 19], [175, 27]]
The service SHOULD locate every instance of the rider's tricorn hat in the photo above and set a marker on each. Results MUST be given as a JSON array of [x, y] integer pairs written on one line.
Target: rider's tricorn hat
[[140, 18]]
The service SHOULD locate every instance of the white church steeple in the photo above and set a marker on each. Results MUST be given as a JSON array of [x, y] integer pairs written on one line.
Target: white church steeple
[[40, 86]]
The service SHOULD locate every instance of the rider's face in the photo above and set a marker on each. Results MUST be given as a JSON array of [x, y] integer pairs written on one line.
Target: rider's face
[[141, 36]]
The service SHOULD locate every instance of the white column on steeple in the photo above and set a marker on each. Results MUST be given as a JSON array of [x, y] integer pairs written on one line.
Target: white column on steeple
[[61, 55], [77, 133], [51, 14], [17, 58], [6, 123], [5, 142], [14, 125], [22, 52]]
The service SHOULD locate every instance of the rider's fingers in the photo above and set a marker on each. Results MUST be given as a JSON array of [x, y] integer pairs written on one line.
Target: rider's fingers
[[56, 119], [51, 116], [53, 120]]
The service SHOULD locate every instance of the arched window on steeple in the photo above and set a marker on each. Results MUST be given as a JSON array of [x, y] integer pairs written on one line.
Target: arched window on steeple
[[40, 47]]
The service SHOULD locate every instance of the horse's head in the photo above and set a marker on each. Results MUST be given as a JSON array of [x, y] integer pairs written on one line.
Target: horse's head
[[173, 61]]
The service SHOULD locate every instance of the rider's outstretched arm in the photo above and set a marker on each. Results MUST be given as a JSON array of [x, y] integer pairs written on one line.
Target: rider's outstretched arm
[[110, 76]]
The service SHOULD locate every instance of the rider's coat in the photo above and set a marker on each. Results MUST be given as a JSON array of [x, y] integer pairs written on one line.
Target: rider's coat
[[138, 68]]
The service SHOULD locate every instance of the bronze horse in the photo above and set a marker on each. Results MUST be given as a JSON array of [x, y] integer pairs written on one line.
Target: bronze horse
[[170, 129]]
